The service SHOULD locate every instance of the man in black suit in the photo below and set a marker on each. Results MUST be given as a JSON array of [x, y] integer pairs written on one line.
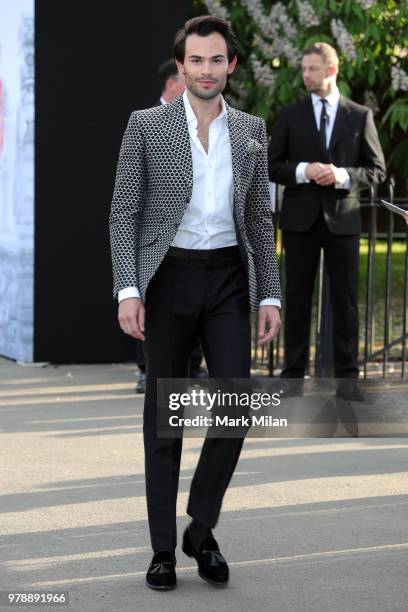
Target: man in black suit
[[324, 149], [172, 85]]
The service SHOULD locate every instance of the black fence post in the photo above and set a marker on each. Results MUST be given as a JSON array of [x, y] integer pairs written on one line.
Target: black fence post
[[369, 305], [404, 314], [388, 280], [324, 344]]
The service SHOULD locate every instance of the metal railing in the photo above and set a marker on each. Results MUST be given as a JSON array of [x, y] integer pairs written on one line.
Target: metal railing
[[383, 299]]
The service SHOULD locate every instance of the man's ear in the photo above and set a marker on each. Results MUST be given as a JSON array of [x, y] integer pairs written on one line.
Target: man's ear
[[331, 70], [232, 64], [180, 67]]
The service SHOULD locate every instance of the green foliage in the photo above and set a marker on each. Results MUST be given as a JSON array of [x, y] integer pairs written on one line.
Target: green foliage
[[378, 34]]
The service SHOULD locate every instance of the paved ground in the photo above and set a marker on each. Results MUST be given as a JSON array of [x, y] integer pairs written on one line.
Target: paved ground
[[307, 525]]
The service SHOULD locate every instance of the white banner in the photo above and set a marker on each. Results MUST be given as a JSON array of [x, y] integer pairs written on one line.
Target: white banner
[[16, 178]]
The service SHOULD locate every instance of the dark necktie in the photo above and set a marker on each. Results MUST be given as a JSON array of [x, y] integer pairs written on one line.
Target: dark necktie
[[323, 121]]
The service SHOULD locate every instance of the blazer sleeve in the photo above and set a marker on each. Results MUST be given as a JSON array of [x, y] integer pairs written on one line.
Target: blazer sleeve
[[280, 170], [127, 202], [371, 169], [259, 224]]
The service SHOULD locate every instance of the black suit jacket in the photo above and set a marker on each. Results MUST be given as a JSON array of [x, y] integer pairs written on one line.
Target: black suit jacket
[[354, 145]]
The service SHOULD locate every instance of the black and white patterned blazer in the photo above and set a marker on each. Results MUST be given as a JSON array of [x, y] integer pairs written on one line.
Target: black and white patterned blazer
[[154, 183]]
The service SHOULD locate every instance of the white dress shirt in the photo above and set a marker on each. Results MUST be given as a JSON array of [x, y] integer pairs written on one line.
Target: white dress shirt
[[332, 103], [208, 221]]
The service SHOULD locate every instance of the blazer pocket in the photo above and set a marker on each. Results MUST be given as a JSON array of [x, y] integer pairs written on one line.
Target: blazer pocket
[[253, 147], [146, 239]]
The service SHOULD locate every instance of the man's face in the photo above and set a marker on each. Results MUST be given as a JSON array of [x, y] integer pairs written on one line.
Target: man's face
[[316, 74], [206, 65]]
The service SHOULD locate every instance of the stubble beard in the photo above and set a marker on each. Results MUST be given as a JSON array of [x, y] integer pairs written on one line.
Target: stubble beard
[[313, 88], [202, 93], [318, 89]]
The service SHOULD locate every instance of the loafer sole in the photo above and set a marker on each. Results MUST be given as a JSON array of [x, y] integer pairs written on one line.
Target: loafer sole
[[214, 582], [161, 587]]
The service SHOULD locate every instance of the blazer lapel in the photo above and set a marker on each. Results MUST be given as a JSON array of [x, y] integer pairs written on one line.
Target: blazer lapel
[[176, 131], [339, 122], [239, 143]]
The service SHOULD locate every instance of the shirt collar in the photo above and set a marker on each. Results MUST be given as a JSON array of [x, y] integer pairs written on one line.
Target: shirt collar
[[190, 113], [332, 99], [162, 100]]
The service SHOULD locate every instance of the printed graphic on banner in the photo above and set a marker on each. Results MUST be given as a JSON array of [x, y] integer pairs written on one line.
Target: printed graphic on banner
[[16, 178]]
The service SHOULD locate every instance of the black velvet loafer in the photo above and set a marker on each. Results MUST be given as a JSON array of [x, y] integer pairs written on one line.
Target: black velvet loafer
[[212, 566], [161, 574]]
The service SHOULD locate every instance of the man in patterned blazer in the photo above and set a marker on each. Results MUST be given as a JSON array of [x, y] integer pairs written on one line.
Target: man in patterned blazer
[[193, 252]]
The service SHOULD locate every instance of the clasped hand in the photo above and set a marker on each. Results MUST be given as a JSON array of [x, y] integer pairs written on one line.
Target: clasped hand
[[323, 174]]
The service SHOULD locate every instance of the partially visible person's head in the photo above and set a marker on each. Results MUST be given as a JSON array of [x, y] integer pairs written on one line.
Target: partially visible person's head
[[205, 51], [171, 81], [320, 66]]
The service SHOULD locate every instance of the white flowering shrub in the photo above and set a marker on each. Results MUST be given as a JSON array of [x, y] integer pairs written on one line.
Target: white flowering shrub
[[371, 37]]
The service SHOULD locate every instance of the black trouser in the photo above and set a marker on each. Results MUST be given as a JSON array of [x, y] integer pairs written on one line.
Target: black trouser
[[189, 298], [195, 363], [341, 252]]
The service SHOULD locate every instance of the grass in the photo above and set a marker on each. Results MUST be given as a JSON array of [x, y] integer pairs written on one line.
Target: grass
[[379, 290]]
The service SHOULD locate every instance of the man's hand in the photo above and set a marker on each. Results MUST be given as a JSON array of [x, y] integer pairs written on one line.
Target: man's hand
[[312, 170], [131, 316], [328, 175], [268, 324]]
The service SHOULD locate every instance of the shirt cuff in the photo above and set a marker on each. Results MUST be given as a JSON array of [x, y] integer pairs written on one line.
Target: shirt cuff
[[344, 182], [301, 173], [270, 302], [129, 292]]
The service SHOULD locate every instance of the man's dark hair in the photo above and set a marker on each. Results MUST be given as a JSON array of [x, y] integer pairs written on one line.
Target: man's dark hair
[[167, 70], [203, 26]]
